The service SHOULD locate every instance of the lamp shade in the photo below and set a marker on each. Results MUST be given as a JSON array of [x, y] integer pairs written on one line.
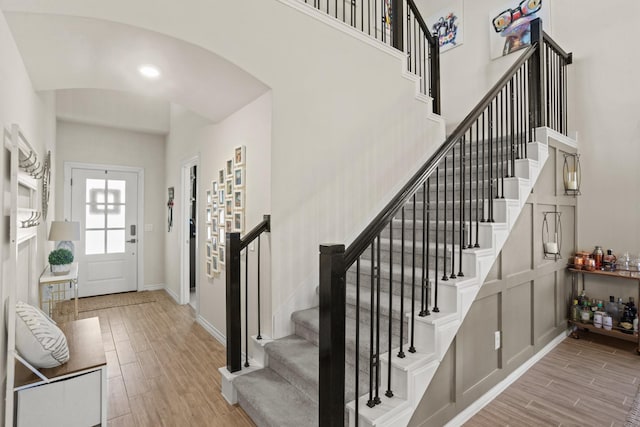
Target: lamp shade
[[64, 231]]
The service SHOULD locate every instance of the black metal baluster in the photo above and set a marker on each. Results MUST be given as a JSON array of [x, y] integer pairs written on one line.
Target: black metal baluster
[[513, 126], [463, 241], [484, 172], [499, 136], [477, 183], [246, 308], [490, 148], [469, 162], [425, 252], [376, 399], [503, 130], [435, 276], [426, 246], [444, 239], [357, 369], [389, 393], [522, 117], [401, 352], [453, 212], [259, 337], [409, 52], [371, 403], [412, 348], [462, 226]]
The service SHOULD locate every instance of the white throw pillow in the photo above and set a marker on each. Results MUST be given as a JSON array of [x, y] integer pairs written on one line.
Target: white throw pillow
[[38, 339]]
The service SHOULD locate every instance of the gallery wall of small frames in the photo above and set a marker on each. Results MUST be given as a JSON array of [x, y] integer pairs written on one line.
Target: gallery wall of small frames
[[225, 208]]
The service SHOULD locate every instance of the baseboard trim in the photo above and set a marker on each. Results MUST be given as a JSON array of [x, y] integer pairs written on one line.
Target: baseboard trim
[[172, 294], [212, 330], [156, 287], [485, 399]]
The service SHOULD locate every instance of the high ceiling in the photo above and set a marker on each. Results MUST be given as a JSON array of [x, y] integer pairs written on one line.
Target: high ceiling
[[66, 52]]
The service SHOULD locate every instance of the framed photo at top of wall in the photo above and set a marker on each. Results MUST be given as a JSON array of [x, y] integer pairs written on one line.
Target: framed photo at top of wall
[[209, 199], [221, 194], [239, 177], [221, 177], [239, 155], [229, 168]]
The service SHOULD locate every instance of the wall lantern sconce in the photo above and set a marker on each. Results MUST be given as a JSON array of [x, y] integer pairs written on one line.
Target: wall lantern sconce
[[552, 235], [572, 174]]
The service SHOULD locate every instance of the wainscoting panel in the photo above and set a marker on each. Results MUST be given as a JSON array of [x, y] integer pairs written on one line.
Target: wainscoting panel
[[525, 297]]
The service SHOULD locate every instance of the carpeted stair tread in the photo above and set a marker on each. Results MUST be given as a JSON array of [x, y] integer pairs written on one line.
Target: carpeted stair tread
[[300, 358], [272, 401], [296, 360]]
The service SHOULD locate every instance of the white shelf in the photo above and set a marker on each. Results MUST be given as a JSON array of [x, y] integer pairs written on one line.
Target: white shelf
[[25, 234], [27, 180]]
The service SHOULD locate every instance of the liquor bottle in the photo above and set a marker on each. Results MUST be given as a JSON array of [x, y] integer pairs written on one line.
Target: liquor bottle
[[575, 311], [598, 255], [612, 308]]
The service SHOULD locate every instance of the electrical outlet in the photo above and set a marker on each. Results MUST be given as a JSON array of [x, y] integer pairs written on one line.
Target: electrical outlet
[[497, 342]]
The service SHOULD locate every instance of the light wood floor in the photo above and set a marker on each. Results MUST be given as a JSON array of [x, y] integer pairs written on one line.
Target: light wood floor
[[587, 382], [163, 367], [163, 371]]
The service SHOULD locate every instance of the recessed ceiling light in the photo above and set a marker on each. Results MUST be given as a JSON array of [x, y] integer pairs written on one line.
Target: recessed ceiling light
[[149, 71]]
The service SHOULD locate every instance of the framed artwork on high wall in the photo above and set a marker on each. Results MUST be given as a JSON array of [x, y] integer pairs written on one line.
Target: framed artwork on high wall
[[238, 177], [229, 169], [239, 155], [221, 257], [510, 25], [221, 177]]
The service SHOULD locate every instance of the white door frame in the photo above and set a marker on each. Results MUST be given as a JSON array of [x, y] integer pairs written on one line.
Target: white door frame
[[184, 230], [68, 166]]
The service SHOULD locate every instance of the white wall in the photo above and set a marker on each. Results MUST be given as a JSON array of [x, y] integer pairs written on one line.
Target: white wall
[[603, 105], [86, 143], [214, 143], [35, 114], [123, 110]]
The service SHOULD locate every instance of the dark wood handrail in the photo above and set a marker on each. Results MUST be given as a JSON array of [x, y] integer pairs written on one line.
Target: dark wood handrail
[[265, 225], [556, 47], [425, 28], [360, 244]]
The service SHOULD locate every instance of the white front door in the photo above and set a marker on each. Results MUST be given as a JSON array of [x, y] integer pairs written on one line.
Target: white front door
[[105, 203]]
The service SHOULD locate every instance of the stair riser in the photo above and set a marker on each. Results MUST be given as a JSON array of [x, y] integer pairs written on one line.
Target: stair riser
[[365, 321], [308, 388], [365, 283]]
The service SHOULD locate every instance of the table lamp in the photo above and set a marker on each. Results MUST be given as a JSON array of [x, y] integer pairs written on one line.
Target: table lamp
[[65, 233]]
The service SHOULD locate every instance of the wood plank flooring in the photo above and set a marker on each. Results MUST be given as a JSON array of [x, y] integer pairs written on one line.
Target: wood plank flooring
[[162, 367], [163, 371], [587, 382]]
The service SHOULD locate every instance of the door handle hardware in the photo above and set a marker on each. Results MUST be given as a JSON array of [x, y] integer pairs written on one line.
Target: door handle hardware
[[131, 241]]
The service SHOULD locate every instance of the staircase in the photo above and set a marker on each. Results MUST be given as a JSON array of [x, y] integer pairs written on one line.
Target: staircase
[[393, 301]]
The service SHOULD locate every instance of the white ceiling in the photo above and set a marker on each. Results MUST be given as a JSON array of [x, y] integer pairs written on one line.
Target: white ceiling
[[66, 52]]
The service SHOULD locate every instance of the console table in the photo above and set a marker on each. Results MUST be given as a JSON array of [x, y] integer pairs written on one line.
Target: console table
[[69, 395], [57, 289]]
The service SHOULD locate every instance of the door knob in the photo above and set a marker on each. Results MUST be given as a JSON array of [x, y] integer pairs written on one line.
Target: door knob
[[131, 241]]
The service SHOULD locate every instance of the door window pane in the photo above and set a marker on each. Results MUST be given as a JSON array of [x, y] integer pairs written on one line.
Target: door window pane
[[95, 191], [115, 241], [115, 216], [94, 242], [95, 216], [116, 191]]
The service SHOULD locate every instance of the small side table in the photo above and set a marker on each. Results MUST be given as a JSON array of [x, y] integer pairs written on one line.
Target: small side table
[[57, 292]]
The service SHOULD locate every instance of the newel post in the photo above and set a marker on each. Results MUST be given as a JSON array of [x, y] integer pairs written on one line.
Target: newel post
[[331, 339], [536, 77], [234, 322]]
